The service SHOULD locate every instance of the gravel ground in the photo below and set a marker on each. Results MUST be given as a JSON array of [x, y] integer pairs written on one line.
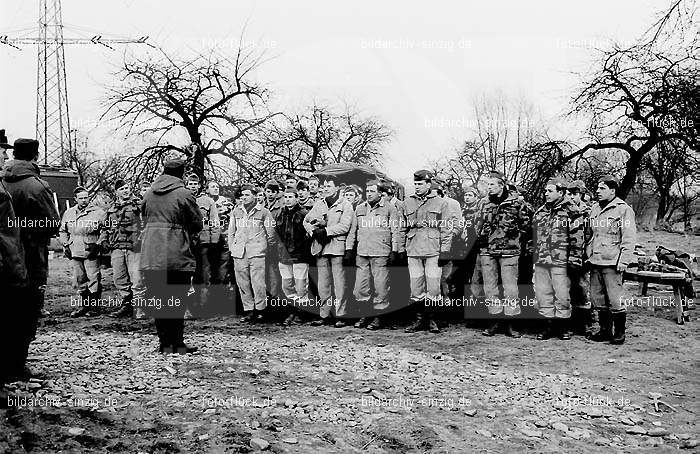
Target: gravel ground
[[101, 388]]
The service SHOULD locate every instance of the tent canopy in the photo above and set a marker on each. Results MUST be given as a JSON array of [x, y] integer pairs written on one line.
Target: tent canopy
[[359, 174]]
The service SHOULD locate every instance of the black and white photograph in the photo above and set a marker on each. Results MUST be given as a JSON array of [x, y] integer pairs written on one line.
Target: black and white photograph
[[368, 227]]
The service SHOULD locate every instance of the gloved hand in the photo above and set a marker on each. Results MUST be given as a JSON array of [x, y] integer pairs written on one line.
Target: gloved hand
[[67, 253], [349, 258], [105, 247], [443, 259], [93, 250], [320, 234]]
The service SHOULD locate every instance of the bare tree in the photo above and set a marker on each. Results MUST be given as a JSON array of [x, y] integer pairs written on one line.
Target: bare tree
[[510, 137], [214, 100], [321, 135], [644, 95]]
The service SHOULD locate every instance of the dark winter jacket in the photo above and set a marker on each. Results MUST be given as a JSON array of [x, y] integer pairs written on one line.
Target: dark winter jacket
[[33, 202], [171, 220], [293, 242], [12, 268]]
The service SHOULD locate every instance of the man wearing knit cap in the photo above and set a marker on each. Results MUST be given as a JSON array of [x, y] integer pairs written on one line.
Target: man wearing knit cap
[[171, 219], [558, 228], [610, 241], [502, 221], [80, 235], [120, 237], [427, 239], [582, 315], [33, 201]]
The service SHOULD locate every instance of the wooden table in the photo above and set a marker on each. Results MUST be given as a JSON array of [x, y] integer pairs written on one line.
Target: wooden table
[[672, 279]]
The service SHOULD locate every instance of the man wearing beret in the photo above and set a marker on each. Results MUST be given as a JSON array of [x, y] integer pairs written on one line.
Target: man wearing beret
[[171, 220], [558, 228], [33, 201], [427, 238], [610, 242], [18, 313], [582, 315], [80, 235], [502, 221], [120, 237]]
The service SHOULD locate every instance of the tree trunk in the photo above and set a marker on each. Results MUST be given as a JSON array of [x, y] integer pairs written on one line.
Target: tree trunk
[[663, 205], [631, 171]]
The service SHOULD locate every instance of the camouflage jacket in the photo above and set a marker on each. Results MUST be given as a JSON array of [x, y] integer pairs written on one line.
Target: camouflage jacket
[[121, 226], [503, 229], [558, 231], [470, 213]]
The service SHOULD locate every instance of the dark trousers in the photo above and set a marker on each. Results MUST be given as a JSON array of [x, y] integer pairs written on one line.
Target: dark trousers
[[165, 300], [19, 324]]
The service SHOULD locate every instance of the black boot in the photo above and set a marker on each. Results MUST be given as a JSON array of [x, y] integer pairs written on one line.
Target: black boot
[[546, 333], [491, 330], [432, 326], [418, 324], [362, 322], [511, 331], [375, 324], [619, 321], [126, 309], [563, 328], [604, 334]]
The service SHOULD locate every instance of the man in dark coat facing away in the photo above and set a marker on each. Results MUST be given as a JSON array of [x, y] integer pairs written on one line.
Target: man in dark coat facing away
[[171, 222], [13, 275], [36, 215]]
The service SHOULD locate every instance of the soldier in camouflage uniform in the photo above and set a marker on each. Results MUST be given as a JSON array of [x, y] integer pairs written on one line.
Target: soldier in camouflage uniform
[[558, 228], [120, 237], [502, 222], [582, 315], [456, 224], [427, 238]]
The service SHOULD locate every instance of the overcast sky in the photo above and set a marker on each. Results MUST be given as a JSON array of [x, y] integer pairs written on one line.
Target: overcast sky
[[416, 65]]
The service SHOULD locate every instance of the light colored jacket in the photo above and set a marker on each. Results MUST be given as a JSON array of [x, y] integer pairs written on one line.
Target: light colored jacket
[[376, 230], [425, 226], [337, 219], [80, 228], [251, 234], [612, 234]]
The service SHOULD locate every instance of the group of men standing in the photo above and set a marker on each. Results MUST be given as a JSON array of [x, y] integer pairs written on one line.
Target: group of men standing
[[330, 252]]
